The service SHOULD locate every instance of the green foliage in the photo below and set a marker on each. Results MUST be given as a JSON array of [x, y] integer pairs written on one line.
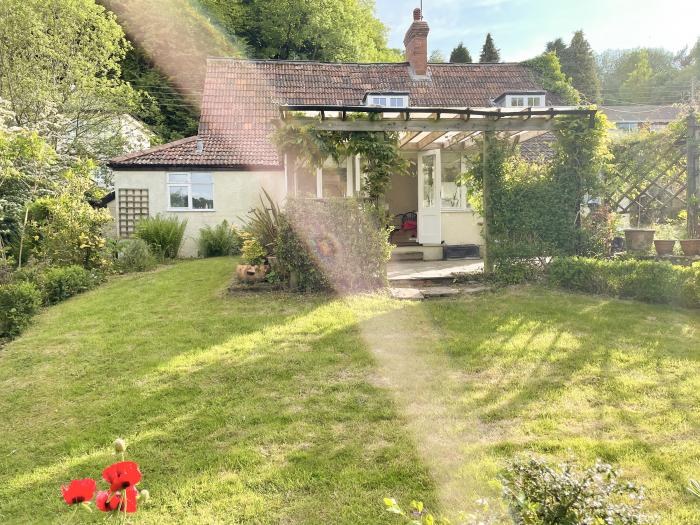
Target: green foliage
[[648, 281], [334, 243], [324, 30], [547, 69], [460, 55], [436, 57], [666, 76], [166, 111], [60, 283], [578, 63], [378, 150], [134, 255], [67, 228], [222, 239], [533, 210], [253, 252], [19, 301], [162, 234], [263, 222], [60, 73], [489, 53], [540, 494]]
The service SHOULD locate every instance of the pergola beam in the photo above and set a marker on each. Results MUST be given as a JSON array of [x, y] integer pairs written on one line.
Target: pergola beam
[[430, 138], [424, 125]]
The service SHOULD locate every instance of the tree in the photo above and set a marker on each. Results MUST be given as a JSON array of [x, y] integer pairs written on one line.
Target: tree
[[59, 72], [324, 30], [556, 46], [637, 87], [460, 55], [489, 53], [436, 57], [579, 63]]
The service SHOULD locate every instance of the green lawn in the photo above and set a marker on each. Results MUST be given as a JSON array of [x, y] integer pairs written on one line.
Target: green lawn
[[277, 408]]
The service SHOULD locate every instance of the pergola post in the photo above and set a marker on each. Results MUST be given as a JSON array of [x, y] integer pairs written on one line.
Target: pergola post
[[487, 204], [693, 176]]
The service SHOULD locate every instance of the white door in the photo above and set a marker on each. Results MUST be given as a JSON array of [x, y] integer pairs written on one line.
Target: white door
[[429, 221]]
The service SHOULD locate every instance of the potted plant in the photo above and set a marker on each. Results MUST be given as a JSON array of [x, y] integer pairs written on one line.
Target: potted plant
[[253, 256], [639, 239], [691, 247]]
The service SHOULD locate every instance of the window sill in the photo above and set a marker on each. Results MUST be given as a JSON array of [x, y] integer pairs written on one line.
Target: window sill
[[186, 210]]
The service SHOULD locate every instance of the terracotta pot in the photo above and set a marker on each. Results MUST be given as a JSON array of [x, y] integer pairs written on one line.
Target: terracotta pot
[[691, 247], [638, 240], [248, 273], [664, 247]]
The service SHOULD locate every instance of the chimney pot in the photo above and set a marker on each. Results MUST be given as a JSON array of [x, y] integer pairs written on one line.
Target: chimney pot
[[417, 14]]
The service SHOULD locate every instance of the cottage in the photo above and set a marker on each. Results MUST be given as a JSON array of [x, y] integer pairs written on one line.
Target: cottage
[[219, 174]]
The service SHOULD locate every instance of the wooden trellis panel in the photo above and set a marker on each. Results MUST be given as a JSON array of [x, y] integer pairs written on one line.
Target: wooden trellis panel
[[133, 206]]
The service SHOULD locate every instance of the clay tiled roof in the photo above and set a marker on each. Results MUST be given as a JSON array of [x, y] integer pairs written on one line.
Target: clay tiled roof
[[241, 100], [538, 148]]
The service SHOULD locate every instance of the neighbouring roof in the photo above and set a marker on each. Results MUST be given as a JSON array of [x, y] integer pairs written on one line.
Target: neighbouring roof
[[241, 100], [538, 148], [639, 113]]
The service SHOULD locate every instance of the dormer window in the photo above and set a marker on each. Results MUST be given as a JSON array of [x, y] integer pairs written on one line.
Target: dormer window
[[387, 100], [535, 99]]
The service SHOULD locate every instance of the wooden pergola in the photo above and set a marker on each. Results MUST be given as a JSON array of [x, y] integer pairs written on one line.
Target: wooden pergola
[[422, 128]]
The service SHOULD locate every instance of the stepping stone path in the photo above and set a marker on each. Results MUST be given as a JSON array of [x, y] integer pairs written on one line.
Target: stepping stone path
[[432, 292]]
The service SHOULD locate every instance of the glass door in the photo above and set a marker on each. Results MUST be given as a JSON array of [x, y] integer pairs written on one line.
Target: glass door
[[429, 220]]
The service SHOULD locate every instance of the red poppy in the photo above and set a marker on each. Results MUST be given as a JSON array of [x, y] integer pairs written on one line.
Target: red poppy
[[78, 491], [122, 475], [108, 502]]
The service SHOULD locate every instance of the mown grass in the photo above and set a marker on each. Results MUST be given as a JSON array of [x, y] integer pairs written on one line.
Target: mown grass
[[246, 409], [573, 376]]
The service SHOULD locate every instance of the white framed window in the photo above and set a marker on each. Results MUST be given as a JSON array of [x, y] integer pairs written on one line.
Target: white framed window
[[388, 101], [453, 193], [190, 192], [522, 101]]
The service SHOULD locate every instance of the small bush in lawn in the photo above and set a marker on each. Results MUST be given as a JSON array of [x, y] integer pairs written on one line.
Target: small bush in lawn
[[541, 494], [134, 255], [215, 241], [19, 301], [162, 234], [61, 283]]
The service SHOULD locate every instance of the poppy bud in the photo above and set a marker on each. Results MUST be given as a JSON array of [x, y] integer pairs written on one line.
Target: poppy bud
[[119, 445], [145, 495]]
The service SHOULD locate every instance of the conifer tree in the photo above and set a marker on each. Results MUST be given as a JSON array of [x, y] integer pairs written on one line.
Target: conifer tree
[[460, 55], [579, 63], [489, 53]]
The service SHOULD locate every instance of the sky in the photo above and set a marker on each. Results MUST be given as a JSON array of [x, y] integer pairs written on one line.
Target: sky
[[521, 28]]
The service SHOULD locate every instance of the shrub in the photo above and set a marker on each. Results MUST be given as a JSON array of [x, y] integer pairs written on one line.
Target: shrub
[[162, 234], [333, 243], [263, 222], [540, 494], [253, 252], [222, 239], [19, 301], [649, 281], [134, 255], [60, 283]]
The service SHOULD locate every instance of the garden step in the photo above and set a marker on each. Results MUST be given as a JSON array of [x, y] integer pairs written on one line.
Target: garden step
[[407, 256], [439, 291], [406, 294]]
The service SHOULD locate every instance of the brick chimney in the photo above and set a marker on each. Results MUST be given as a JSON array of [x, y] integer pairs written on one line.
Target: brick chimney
[[416, 44]]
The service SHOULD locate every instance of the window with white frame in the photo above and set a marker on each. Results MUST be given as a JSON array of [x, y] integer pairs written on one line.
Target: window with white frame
[[388, 101], [521, 101], [453, 191], [190, 191]]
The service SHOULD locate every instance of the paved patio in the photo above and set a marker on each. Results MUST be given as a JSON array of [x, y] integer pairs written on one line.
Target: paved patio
[[419, 270]]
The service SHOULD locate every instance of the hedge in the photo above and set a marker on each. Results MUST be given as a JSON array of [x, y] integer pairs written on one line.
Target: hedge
[[648, 281], [18, 303]]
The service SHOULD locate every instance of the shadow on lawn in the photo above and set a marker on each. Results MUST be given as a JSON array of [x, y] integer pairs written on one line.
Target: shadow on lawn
[[265, 415], [558, 373]]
